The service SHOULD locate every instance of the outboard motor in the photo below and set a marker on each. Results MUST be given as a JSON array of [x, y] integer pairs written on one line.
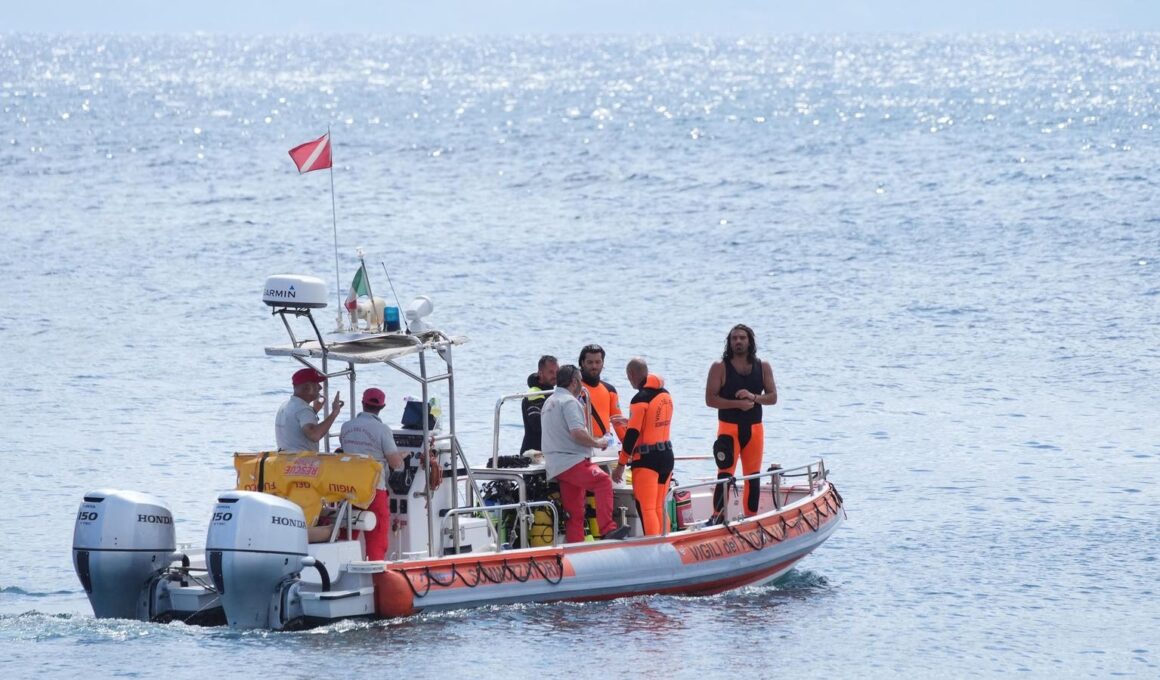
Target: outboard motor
[[256, 542], [120, 541]]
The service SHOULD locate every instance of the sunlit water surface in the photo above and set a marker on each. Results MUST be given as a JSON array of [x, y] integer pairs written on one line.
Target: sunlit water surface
[[949, 248]]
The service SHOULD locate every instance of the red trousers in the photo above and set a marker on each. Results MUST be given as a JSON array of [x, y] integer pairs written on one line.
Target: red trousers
[[574, 482], [377, 538]]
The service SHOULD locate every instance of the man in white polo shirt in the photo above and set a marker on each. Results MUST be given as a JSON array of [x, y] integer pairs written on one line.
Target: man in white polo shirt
[[296, 427], [567, 447]]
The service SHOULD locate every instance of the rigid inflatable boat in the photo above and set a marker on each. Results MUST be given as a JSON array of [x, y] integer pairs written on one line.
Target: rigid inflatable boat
[[284, 549]]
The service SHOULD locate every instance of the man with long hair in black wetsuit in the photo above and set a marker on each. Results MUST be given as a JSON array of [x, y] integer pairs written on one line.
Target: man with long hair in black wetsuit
[[738, 386]]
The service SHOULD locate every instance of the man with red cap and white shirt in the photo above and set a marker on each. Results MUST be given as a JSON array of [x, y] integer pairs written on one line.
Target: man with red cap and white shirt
[[296, 427], [367, 434]]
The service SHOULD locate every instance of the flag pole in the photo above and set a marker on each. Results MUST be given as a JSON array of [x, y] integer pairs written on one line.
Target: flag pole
[[334, 222]]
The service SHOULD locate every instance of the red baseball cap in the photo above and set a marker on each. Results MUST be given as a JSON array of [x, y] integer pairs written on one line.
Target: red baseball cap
[[307, 375], [374, 397]]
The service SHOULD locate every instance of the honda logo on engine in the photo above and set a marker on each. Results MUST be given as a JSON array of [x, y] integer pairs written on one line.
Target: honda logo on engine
[[287, 522]]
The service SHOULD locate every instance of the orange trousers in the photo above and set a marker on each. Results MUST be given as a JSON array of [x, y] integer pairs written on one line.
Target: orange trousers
[[744, 442], [651, 475]]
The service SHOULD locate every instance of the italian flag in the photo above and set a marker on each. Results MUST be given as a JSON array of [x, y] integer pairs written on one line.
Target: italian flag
[[357, 287]]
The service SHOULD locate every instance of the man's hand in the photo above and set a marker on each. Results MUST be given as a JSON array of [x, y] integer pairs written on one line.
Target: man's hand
[[338, 403], [618, 474]]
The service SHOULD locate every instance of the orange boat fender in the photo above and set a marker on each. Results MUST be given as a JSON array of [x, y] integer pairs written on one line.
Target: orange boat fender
[[393, 595]]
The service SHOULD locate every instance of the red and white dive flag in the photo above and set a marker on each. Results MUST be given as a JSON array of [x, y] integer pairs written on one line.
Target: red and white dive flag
[[312, 155]]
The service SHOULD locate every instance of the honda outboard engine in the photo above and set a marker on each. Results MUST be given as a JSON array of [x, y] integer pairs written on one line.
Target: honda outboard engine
[[121, 540], [256, 542]]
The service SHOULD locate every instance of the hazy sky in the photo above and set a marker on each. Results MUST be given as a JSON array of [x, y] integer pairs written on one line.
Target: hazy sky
[[576, 16]]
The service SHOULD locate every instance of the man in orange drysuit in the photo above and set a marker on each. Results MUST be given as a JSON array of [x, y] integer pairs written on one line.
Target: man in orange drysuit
[[603, 401], [647, 446], [738, 386]]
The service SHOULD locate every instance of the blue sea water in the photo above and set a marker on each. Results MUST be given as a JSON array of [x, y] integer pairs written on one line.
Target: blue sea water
[[948, 246]]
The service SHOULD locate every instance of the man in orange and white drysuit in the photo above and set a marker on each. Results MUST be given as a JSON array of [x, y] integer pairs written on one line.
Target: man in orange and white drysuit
[[738, 386], [647, 447], [603, 402]]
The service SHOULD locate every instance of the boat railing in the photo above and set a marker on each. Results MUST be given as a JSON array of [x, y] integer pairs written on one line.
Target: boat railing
[[459, 462], [524, 516], [345, 514], [813, 472], [495, 421]]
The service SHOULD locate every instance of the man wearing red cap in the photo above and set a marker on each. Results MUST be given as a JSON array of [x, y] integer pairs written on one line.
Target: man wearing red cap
[[367, 434], [296, 427]]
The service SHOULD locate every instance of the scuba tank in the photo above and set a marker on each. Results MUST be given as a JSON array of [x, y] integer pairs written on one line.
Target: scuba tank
[[543, 530], [590, 518]]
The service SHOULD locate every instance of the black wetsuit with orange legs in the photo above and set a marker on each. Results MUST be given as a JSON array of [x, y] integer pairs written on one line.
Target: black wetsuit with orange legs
[[649, 450], [740, 435]]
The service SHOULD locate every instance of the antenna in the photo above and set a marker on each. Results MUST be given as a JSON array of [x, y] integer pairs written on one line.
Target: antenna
[[402, 317]]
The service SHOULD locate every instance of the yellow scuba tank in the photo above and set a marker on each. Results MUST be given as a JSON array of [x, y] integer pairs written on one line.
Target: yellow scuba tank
[[590, 516], [543, 529]]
